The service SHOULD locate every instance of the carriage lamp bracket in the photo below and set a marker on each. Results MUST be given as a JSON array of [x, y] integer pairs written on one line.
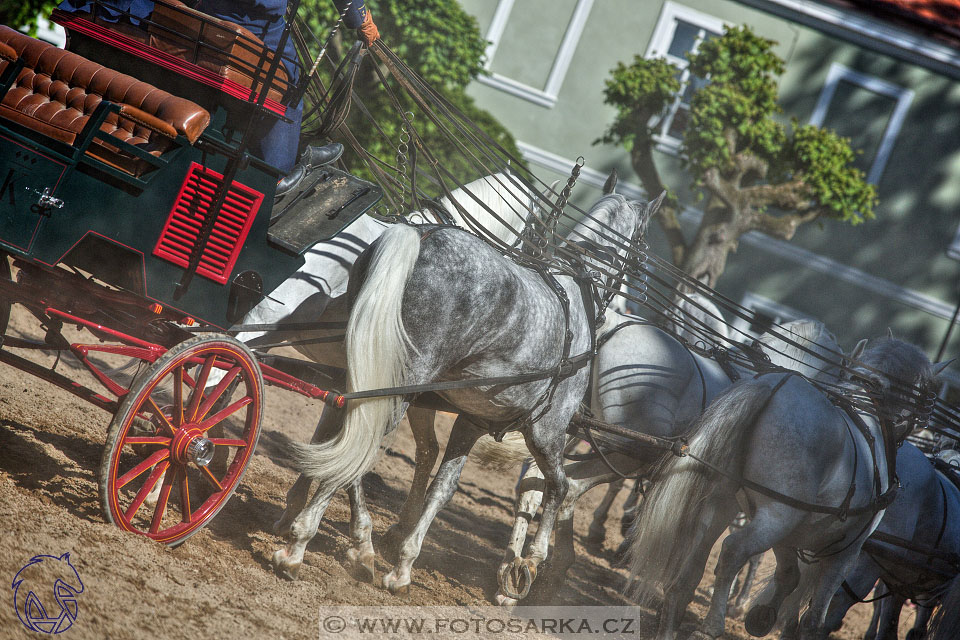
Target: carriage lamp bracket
[[45, 202]]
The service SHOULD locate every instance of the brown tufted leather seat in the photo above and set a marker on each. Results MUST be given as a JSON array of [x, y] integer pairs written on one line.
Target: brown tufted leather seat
[[228, 56], [227, 49], [57, 91]]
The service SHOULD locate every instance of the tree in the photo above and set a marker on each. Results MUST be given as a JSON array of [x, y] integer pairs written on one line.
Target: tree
[[438, 40], [754, 172], [24, 13]]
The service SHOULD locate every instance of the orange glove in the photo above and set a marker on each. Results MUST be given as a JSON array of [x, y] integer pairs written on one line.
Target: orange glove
[[368, 31]]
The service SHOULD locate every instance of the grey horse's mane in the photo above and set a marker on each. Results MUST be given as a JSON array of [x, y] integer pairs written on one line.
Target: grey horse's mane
[[816, 338]]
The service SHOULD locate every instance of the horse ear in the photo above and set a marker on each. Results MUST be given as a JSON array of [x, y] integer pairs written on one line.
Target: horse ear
[[611, 184], [858, 350], [654, 205], [939, 367]]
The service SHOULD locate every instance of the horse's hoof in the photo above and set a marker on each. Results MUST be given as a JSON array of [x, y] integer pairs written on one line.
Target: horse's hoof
[[363, 564], [395, 585], [760, 620], [284, 569], [916, 634], [516, 580], [504, 601]]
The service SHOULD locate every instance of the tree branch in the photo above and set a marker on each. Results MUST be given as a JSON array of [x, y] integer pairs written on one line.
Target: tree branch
[[785, 226]]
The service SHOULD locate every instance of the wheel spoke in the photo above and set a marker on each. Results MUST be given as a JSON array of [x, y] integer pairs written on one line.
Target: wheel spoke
[[147, 440], [212, 478], [148, 462], [178, 396], [220, 416], [155, 409], [162, 500], [184, 497], [228, 442], [214, 395], [197, 395], [145, 490]]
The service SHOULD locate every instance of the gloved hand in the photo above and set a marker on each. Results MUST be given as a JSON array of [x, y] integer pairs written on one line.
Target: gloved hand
[[368, 31]]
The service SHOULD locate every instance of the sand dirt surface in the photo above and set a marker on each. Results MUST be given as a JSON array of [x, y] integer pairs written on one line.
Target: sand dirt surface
[[219, 584]]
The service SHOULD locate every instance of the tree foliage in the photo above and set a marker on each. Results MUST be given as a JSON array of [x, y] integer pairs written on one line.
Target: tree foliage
[[443, 44], [24, 13], [756, 171]]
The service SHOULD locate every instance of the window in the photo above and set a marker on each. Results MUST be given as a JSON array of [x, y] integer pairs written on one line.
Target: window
[[866, 109], [513, 64], [766, 312], [954, 249], [680, 30]]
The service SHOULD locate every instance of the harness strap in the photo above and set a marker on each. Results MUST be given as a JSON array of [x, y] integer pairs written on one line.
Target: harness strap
[[722, 356], [849, 591]]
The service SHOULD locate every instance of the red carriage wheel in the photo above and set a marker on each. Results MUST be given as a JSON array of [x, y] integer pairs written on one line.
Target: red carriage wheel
[[189, 425]]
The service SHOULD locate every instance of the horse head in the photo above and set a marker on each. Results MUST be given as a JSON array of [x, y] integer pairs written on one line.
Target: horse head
[[900, 379]]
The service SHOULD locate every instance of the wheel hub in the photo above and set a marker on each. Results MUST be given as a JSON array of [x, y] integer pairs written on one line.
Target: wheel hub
[[189, 445]]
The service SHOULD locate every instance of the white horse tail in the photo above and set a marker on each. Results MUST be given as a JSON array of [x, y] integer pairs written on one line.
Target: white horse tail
[[378, 350], [946, 622], [668, 517], [503, 455]]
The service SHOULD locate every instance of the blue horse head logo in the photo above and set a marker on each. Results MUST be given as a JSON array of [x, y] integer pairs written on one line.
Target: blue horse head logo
[[45, 593]]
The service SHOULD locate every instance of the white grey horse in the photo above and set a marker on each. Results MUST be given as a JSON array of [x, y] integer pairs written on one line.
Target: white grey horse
[[647, 380], [496, 203], [926, 515], [439, 304], [782, 433]]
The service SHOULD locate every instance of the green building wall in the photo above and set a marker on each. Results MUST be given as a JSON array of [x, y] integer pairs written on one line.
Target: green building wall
[[893, 271]]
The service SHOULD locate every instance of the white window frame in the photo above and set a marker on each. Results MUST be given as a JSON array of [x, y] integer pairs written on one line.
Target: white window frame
[[901, 95], [546, 97], [953, 251], [779, 312], [660, 45]]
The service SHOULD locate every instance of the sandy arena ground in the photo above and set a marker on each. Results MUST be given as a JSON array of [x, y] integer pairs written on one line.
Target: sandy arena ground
[[219, 583]]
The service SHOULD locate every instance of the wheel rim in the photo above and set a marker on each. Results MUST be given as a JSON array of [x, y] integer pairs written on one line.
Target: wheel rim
[[185, 411]]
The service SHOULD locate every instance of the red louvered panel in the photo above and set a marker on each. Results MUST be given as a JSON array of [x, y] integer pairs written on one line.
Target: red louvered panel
[[183, 225]]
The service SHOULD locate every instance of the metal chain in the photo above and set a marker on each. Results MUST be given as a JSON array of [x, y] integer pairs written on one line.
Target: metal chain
[[535, 243], [402, 150]]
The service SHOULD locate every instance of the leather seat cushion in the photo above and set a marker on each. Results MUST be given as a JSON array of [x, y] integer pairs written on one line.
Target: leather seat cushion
[[57, 91]]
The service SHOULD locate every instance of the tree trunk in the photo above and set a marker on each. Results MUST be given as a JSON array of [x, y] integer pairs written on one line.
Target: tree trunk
[[717, 236], [641, 157]]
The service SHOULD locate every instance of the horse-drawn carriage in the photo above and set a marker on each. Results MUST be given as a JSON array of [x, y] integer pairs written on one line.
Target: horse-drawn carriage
[[132, 208], [140, 216]]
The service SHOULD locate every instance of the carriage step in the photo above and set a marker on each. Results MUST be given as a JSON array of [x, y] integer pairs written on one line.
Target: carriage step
[[326, 202]]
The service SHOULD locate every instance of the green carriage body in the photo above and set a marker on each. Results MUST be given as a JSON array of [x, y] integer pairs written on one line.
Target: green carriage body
[[59, 205]]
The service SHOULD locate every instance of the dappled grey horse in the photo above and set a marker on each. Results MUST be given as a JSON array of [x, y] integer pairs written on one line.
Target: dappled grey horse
[[435, 303], [813, 477], [925, 515], [317, 293], [647, 380]]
